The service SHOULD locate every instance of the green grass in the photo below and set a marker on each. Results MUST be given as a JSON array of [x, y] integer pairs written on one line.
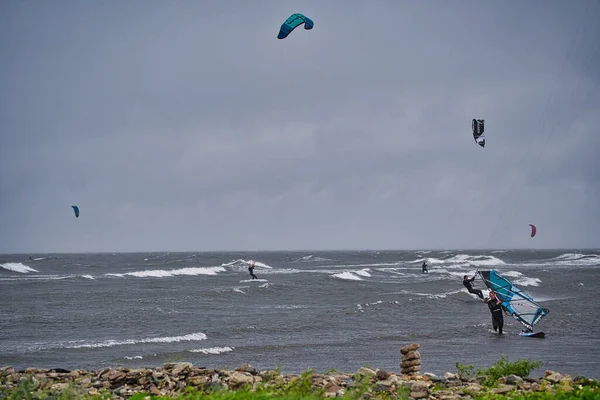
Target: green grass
[[501, 368]]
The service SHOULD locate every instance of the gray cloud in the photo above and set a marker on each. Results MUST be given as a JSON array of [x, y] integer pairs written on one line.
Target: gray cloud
[[191, 127]]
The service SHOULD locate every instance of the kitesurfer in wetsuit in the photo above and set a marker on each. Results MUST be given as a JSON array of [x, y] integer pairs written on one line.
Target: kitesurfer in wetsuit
[[467, 283], [424, 266], [251, 270], [496, 308]]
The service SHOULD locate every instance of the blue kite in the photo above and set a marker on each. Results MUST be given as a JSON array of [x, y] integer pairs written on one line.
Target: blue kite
[[76, 209], [292, 23]]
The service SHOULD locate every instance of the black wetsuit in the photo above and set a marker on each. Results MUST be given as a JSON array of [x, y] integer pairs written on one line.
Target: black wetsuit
[[497, 318], [467, 283], [251, 269], [424, 267]]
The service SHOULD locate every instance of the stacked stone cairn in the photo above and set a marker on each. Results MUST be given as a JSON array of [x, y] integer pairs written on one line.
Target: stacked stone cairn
[[411, 359]]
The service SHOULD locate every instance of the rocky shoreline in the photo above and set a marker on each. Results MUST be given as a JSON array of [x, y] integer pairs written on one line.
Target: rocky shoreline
[[174, 378]]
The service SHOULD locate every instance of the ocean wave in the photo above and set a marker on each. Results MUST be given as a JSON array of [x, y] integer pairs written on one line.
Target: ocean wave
[[361, 307], [511, 274], [312, 258], [525, 281], [348, 276], [463, 259], [578, 259], [363, 272], [213, 350], [441, 295], [161, 273], [111, 343], [18, 267]]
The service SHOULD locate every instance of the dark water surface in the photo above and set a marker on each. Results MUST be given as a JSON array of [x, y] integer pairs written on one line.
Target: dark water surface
[[317, 310]]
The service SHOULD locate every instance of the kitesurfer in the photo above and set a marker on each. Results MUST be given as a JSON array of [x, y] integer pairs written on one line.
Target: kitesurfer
[[251, 270], [468, 285], [424, 266], [496, 308]]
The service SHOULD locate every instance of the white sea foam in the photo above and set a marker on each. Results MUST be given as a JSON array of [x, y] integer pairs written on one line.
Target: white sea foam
[[213, 350], [18, 267], [525, 281], [312, 258], [161, 273], [87, 276], [512, 274], [349, 276], [110, 343]]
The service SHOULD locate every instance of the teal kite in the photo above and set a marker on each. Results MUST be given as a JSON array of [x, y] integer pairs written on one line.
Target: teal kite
[[292, 23], [76, 209]]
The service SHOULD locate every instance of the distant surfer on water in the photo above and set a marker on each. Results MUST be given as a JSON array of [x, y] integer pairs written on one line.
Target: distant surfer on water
[[468, 284], [496, 308], [424, 266], [251, 270]]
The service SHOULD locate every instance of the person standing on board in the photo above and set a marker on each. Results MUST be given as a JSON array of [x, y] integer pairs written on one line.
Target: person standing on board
[[251, 270], [424, 266], [468, 284]]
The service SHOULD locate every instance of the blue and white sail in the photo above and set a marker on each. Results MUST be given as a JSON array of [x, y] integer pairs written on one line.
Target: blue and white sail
[[517, 302]]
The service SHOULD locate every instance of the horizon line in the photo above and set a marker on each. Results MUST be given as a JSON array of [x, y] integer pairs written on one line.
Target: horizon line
[[309, 250]]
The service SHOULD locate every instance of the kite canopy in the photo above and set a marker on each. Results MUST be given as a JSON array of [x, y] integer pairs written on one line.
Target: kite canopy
[[533, 230], [518, 303], [76, 210], [477, 126], [292, 23]]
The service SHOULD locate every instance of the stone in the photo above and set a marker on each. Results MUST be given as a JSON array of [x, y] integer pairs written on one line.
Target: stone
[[503, 389], [180, 368], [514, 380], [419, 395], [451, 376], [418, 386], [412, 355], [198, 380], [365, 371], [553, 377], [239, 378], [331, 387], [409, 348], [409, 370], [382, 375], [247, 368], [410, 363]]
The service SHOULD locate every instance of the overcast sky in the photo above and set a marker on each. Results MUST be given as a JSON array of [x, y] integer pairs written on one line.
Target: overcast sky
[[187, 125]]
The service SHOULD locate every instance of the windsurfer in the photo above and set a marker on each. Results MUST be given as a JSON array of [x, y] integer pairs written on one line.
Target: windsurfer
[[468, 285], [424, 266], [496, 308]]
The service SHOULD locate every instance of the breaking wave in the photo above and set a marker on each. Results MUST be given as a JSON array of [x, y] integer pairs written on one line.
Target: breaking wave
[[18, 267], [110, 343], [463, 260], [161, 273], [213, 350]]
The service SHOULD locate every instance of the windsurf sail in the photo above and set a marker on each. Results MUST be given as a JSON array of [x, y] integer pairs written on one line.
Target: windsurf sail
[[477, 126], [517, 302]]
